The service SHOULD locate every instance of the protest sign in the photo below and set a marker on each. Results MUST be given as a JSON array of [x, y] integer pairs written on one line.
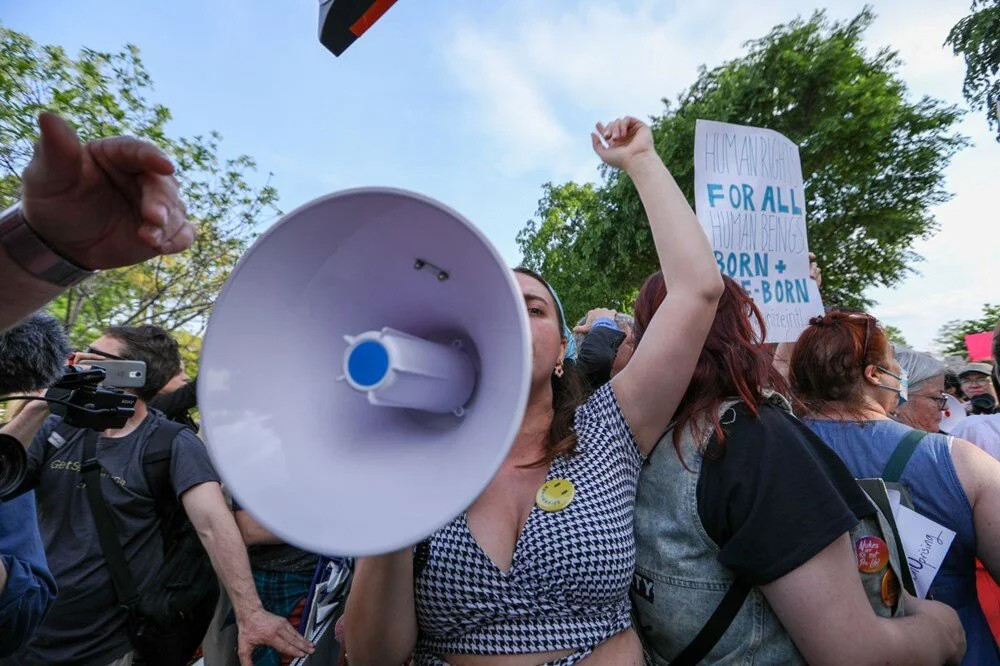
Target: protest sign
[[925, 543], [979, 346], [750, 200]]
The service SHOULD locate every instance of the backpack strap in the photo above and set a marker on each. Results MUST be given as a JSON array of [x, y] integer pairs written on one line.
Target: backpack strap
[[60, 436], [724, 614], [901, 456], [107, 531], [156, 465]]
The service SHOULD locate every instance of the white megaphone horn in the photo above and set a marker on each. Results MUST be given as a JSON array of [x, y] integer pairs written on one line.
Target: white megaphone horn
[[954, 413], [365, 371]]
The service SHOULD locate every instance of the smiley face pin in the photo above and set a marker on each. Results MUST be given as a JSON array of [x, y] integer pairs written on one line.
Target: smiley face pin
[[555, 495]]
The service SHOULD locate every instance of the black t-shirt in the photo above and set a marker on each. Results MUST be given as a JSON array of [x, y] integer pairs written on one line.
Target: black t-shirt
[[774, 495], [86, 624], [177, 404]]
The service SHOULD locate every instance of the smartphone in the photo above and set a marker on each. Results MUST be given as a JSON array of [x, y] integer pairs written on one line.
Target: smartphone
[[120, 374]]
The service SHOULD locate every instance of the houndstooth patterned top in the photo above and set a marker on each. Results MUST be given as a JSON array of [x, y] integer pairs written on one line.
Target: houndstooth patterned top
[[567, 587]]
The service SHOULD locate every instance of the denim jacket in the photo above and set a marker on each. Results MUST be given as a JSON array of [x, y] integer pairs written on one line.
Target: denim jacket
[[679, 581]]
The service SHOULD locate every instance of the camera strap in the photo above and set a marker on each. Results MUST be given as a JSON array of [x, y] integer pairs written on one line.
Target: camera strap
[[107, 532]]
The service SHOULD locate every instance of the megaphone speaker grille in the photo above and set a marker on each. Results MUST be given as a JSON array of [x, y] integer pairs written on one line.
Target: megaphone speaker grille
[[320, 463]]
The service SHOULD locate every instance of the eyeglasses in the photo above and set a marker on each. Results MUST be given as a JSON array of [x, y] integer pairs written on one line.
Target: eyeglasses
[[98, 352], [982, 380], [941, 400]]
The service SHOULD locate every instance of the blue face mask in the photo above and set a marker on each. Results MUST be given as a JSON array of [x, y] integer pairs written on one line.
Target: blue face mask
[[904, 385]]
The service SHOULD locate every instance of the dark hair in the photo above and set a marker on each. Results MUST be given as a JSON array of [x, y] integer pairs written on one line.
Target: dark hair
[[156, 348], [830, 358], [951, 383], [996, 358], [733, 363], [568, 393]]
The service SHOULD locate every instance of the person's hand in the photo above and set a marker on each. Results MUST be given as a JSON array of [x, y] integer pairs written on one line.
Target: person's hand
[[592, 316], [815, 272], [81, 358], [263, 628], [37, 407], [947, 618], [622, 141], [105, 204]]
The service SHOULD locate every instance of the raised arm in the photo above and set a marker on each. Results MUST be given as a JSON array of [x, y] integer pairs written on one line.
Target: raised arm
[[27, 422], [653, 383], [104, 204]]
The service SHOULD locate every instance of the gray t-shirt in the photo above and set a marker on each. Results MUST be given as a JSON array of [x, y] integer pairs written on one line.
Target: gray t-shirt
[[85, 624]]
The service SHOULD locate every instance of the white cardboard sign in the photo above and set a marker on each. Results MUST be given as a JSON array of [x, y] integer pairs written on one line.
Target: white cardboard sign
[[925, 544], [750, 199]]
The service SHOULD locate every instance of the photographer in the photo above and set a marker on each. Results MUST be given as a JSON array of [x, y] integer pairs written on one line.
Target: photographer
[[87, 623], [32, 355], [27, 588], [977, 384]]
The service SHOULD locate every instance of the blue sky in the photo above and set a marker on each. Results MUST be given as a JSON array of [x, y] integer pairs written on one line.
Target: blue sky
[[479, 103]]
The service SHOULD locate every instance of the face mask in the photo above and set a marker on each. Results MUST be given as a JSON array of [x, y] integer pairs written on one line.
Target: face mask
[[904, 385]]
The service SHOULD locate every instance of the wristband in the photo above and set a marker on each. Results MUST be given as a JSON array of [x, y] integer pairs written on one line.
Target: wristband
[[605, 321], [29, 251]]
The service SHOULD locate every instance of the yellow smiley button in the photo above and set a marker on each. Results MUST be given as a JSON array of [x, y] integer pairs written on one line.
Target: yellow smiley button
[[555, 495]]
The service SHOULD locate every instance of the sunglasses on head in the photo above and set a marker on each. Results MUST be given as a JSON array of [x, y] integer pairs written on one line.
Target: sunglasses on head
[[98, 352]]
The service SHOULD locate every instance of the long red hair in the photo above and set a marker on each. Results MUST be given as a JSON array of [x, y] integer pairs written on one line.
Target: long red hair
[[734, 362]]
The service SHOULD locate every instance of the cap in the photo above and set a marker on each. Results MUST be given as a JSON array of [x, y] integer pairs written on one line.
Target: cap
[[982, 368]]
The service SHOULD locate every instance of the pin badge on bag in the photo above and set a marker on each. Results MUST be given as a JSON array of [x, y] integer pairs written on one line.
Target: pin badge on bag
[[873, 554]]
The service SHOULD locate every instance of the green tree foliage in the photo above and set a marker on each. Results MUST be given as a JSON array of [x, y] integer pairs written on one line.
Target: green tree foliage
[[103, 94], [895, 336], [951, 338], [872, 160], [977, 38]]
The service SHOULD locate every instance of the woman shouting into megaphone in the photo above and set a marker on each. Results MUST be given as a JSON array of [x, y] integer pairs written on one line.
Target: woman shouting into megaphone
[[538, 569]]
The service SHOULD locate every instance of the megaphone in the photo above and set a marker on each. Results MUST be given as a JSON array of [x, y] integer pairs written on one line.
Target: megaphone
[[364, 372], [953, 413]]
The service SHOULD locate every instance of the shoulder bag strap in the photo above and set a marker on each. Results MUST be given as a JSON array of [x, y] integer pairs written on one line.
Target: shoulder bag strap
[[904, 451], [156, 463], [716, 626], [107, 534], [65, 433]]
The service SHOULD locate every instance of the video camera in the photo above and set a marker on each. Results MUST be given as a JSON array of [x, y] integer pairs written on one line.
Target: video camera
[[983, 404], [81, 402], [85, 404]]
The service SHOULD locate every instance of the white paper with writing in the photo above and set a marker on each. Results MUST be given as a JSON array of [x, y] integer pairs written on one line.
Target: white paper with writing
[[751, 203], [895, 501], [925, 544]]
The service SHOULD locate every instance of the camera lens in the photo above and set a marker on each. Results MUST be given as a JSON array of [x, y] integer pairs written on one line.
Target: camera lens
[[13, 464]]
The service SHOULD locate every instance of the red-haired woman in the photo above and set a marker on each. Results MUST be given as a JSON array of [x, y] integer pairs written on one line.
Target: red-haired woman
[[739, 495], [844, 372], [538, 569]]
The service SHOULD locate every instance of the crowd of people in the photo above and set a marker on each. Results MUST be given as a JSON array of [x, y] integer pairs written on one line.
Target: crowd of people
[[728, 498]]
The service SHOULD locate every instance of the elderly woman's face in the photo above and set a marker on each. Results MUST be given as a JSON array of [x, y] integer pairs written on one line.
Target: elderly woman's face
[[922, 410]]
